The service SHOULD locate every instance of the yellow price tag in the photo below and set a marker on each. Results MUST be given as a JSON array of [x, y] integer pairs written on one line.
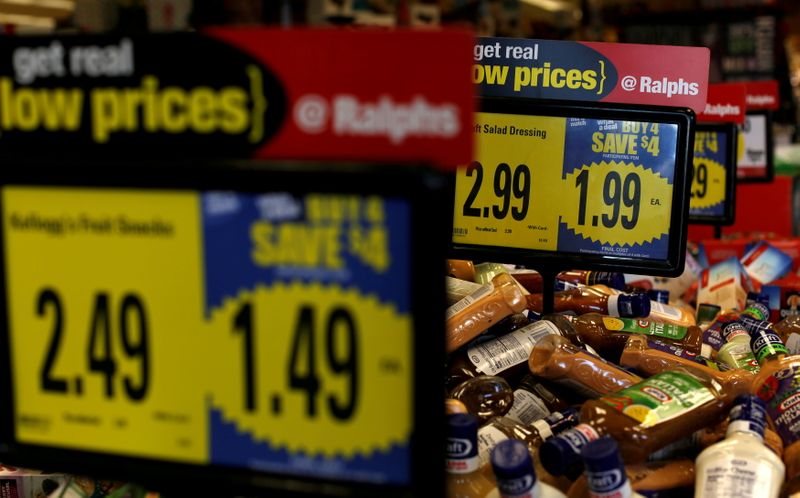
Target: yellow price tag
[[567, 185], [94, 280]]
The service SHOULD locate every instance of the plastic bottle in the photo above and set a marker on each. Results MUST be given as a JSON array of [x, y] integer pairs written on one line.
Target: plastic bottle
[[643, 418], [660, 312], [533, 435], [789, 331], [515, 474], [461, 269], [452, 406], [458, 289], [534, 401], [608, 335], [486, 272], [558, 360], [485, 397], [605, 472], [651, 357], [504, 356], [736, 352], [583, 277], [778, 384], [464, 477], [659, 295], [660, 479], [741, 465], [706, 313], [474, 314], [591, 299]]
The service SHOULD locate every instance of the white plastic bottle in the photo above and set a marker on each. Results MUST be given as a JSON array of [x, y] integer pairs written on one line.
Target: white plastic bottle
[[516, 477], [740, 466]]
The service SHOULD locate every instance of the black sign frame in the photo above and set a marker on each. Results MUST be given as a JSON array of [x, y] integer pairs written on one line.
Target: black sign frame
[[729, 212], [425, 191], [770, 171], [684, 118]]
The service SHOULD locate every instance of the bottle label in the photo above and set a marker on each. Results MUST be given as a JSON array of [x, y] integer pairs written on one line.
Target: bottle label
[[646, 327], [488, 437], [733, 330], [713, 338], [521, 487], [666, 310], [736, 477], [681, 352], [579, 436], [494, 356], [793, 343], [767, 343], [608, 484], [479, 293], [461, 456], [527, 408], [660, 398], [739, 356], [781, 392]]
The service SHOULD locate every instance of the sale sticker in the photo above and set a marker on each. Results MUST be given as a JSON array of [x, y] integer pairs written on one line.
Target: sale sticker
[[269, 332], [591, 71], [709, 181], [568, 185]]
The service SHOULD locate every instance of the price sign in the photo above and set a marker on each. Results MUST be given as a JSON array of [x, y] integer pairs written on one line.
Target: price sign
[[269, 332], [754, 148], [712, 195], [558, 182]]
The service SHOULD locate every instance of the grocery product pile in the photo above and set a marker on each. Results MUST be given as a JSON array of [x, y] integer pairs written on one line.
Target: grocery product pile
[[634, 385]]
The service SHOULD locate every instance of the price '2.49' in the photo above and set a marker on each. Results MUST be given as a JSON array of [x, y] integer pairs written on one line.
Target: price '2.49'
[[506, 183], [102, 355]]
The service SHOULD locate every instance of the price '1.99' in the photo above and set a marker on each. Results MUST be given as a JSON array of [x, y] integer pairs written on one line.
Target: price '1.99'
[[617, 192], [107, 326], [507, 183]]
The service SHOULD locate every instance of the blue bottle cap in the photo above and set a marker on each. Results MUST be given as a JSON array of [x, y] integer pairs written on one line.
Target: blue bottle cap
[[614, 280], [633, 305], [562, 420], [513, 467], [748, 414], [659, 295], [562, 454], [462, 436], [605, 472]]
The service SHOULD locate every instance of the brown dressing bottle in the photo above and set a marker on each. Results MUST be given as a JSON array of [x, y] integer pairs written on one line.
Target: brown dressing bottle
[[588, 299], [556, 359]]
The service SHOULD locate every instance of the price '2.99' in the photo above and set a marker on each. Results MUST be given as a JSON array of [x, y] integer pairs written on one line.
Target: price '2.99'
[[506, 183], [102, 355]]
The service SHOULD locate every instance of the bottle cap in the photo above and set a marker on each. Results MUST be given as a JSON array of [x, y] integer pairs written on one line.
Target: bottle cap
[[659, 295], [605, 472], [513, 467], [630, 305], [462, 443], [562, 454], [748, 414], [765, 342], [734, 329], [706, 312], [754, 315], [614, 280]]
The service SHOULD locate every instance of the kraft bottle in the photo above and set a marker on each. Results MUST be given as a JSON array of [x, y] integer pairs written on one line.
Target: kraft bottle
[[474, 314], [673, 478], [643, 418], [778, 384], [736, 352], [532, 280], [515, 473], [604, 471], [592, 299], [608, 335], [505, 356], [533, 401], [485, 397], [556, 359], [464, 477], [741, 465]]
